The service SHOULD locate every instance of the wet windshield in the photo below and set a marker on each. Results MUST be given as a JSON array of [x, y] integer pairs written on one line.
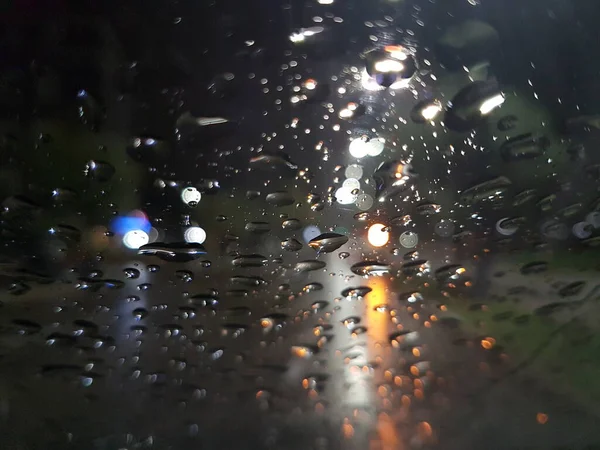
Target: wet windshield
[[299, 224]]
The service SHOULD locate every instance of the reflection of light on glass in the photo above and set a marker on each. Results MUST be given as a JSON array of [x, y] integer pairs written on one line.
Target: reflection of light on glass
[[378, 235], [358, 147], [296, 37], [304, 33], [400, 171], [354, 171], [312, 31], [153, 234], [190, 195], [377, 322], [346, 113], [310, 84], [351, 184], [397, 52], [402, 83], [344, 196], [375, 147], [583, 230], [194, 234], [136, 220], [489, 104], [369, 83], [430, 111], [134, 239], [325, 2], [389, 65], [301, 351], [408, 239]]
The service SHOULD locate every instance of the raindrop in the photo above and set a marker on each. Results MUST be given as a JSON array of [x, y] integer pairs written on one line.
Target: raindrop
[[191, 196], [148, 150], [184, 275], [353, 293], [572, 289], [319, 306], [351, 322], [534, 267], [131, 273], [417, 268], [303, 351], [364, 202], [408, 239], [428, 209], [509, 226], [401, 221], [139, 313], [444, 228], [280, 199], [311, 287], [487, 191], [328, 242], [25, 326], [291, 224], [273, 160], [354, 171], [371, 268], [99, 170], [252, 260], [258, 227], [177, 252], [291, 245], [309, 265], [594, 219], [248, 281]]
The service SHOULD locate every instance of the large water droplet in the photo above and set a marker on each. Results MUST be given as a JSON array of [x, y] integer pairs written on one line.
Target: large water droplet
[[328, 242]]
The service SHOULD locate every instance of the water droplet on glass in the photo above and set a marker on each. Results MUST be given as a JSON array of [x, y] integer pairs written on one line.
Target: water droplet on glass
[[252, 260], [371, 268], [327, 242], [176, 252], [309, 265], [99, 170], [291, 245], [131, 273], [280, 198], [184, 275], [408, 239]]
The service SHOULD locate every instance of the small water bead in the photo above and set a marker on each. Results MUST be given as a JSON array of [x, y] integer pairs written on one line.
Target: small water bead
[[131, 273]]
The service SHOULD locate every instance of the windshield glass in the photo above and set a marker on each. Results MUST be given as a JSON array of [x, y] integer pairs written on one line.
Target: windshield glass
[[299, 224]]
